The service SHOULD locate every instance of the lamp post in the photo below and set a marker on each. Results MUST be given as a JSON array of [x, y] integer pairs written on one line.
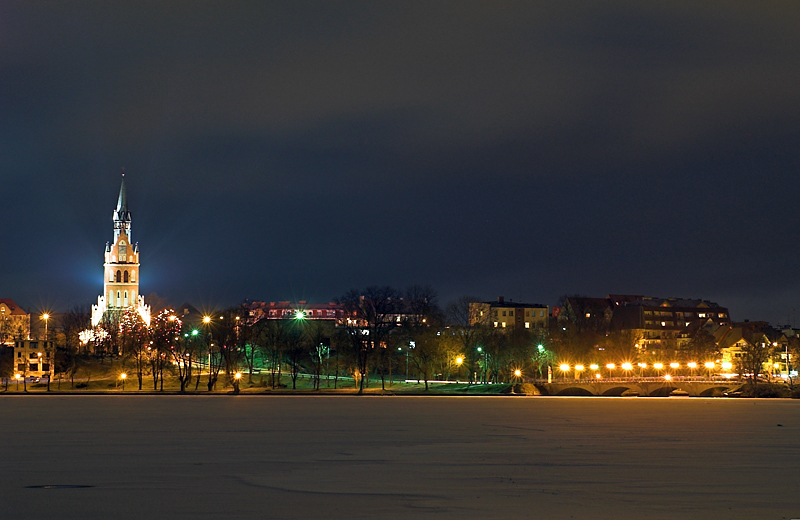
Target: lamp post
[[459, 361], [123, 376], [45, 317], [709, 365], [411, 344]]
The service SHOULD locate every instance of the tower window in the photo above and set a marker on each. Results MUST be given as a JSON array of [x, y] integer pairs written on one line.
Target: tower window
[[119, 276], [133, 276], [123, 252], [119, 298], [125, 300], [125, 277]]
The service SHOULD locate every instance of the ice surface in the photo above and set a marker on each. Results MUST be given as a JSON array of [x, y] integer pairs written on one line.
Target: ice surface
[[398, 457]]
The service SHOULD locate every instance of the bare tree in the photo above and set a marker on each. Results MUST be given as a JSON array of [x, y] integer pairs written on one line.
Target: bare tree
[[369, 318], [467, 325]]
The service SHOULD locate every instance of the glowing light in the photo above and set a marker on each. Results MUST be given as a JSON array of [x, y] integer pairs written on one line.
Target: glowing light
[[611, 366], [709, 364], [642, 365], [299, 315], [674, 365], [564, 367], [691, 364], [668, 377], [579, 368], [594, 366], [597, 375], [206, 319], [727, 365], [776, 365], [658, 366], [123, 375], [17, 376], [45, 316], [194, 332], [459, 360], [627, 366], [237, 376], [517, 372]]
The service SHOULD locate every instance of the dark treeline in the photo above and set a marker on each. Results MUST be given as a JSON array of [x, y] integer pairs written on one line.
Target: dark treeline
[[385, 334]]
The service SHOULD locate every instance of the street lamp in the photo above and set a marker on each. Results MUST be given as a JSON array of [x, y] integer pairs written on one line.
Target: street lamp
[[610, 367], [45, 317], [459, 361], [578, 370], [564, 369], [123, 376]]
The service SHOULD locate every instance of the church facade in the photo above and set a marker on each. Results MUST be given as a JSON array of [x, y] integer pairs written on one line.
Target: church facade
[[121, 268]]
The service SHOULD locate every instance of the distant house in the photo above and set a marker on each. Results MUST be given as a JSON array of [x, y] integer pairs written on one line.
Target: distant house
[[15, 323], [511, 314], [665, 324], [258, 310], [34, 358]]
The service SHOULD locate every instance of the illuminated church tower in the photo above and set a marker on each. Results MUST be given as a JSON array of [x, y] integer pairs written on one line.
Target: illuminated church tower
[[121, 268]]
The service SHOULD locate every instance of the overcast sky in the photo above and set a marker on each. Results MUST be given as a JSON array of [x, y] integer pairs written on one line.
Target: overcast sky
[[293, 151]]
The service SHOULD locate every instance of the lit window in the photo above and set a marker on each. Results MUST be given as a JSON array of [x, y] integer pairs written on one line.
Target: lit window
[[504, 324], [495, 324], [588, 314], [527, 324]]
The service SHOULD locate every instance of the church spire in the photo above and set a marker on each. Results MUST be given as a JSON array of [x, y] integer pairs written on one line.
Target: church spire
[[122, 201], [121, 216]]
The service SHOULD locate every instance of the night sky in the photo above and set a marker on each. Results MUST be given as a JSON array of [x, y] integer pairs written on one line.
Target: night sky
[[293, 151]]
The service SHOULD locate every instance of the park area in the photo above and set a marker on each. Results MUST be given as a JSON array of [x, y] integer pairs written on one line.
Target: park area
[[261, 456]]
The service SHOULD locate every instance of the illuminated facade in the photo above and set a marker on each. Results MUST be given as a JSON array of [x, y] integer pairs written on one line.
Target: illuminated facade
[[505, 314], [121, 268]]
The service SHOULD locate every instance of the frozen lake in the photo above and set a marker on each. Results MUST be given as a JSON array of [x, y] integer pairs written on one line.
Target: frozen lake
[[398, 457]]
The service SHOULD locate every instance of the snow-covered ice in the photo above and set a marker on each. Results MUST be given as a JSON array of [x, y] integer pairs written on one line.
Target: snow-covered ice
[[210, 457]]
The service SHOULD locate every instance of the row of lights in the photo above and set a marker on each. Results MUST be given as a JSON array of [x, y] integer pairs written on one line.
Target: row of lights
[[564, 367]]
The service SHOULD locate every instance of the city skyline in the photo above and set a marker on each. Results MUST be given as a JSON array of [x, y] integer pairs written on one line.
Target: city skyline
[[296, 151]]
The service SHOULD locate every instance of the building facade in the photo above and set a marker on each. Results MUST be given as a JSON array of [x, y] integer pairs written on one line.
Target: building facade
[[34, 358], [121, 268], [510, 314], [258, 310], [665, 324]]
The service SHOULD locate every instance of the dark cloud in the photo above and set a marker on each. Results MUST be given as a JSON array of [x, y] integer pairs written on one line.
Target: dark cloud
[[297, 149]]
